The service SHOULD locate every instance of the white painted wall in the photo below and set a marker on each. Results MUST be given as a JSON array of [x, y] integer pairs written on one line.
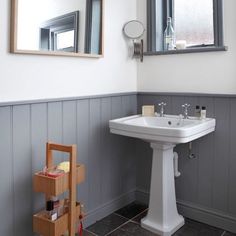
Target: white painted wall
[[24, 77], [213, 72]]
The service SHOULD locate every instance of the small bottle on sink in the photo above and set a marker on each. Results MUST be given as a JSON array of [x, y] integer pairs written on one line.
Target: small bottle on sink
[[203, 113], [198, 112]]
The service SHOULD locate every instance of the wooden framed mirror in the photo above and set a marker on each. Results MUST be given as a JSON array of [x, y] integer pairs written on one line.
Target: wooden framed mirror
[[58, 27]]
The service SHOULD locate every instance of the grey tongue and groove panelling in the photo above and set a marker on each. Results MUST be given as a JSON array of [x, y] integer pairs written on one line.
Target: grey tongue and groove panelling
[[114, 166], [24, 131], [209, 180]]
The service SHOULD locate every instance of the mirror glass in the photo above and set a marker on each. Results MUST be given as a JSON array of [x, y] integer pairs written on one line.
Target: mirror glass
[[133, 29], [58, 27]]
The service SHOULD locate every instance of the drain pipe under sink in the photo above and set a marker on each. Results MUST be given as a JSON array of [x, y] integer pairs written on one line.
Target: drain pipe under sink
[[176, 168]]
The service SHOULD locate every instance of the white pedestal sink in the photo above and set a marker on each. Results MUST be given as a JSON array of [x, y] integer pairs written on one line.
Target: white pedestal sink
[[163, 133]]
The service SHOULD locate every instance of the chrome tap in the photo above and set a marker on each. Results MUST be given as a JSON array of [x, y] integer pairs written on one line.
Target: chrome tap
[[162, 105], [185, 107]]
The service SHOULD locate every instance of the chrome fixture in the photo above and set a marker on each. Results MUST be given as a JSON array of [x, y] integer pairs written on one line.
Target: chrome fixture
[[186, 106], [162, 105], [134, 30], [191, 155]]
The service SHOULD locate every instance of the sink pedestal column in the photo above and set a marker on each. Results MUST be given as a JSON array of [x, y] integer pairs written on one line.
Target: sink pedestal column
[[162, 217]]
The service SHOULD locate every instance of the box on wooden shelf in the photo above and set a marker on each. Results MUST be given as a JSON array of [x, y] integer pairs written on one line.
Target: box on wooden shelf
[[56, 186], [46, 227]]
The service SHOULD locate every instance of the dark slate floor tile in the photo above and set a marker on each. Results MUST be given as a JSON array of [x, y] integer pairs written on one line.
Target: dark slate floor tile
[[86, 233], [132, 229], [107, 224], [229, 234], [139, 217], [131, 210], [193, 228]]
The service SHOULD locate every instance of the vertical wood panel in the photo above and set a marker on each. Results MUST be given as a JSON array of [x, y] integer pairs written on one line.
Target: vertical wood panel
[[6, 174], [22, 171], [133, 105], [206, 159], [190, 166], [95, 154], [83, 147], [232, 160], [144, 163], [127, 170], [180, 182], [221, 155], [132, 155], [116, 142], [55, 127], [106, 160], [68, 128], [177, 102], [38, 142], [140, 103], [69, 122]]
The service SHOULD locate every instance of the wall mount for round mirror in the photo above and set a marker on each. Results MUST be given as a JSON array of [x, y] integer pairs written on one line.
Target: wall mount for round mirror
[[134, 30], [138, 50]]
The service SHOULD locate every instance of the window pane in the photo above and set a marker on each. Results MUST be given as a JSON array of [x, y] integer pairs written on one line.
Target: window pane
[[65, 40], [194, 21], [95, 32]]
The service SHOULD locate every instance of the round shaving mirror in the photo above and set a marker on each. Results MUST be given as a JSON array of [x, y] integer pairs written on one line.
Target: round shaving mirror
[[133, 29]]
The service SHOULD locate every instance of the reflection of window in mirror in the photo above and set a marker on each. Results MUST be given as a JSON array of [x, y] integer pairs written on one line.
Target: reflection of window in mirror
[[194, 26], [58, 27], [65, 40], [60, 33]]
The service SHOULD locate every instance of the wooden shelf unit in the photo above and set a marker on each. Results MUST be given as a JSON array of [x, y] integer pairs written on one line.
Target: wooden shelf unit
[[56, 186]]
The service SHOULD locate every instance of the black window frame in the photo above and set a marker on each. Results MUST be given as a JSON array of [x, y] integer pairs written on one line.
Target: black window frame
[[155, 34]]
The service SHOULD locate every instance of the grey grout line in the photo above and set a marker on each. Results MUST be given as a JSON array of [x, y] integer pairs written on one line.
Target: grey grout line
[[223, 233], [91, 232], [128, 221], [134, 222], [139, 214], [120, 216]]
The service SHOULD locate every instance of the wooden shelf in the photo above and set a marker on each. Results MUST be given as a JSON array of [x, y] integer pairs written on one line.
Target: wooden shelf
[[46, 227], [56, 186]]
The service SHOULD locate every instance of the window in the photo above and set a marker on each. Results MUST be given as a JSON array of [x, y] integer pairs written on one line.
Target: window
[[196, 22]]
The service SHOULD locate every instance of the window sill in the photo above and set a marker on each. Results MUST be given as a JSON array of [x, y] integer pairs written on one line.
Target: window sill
[[188, 50]]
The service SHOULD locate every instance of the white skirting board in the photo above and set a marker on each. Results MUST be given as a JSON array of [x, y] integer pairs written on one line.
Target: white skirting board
[[198, 213]]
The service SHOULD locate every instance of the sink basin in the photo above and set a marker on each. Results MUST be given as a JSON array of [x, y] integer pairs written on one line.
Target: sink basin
[[163, 133], [171, 129]]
